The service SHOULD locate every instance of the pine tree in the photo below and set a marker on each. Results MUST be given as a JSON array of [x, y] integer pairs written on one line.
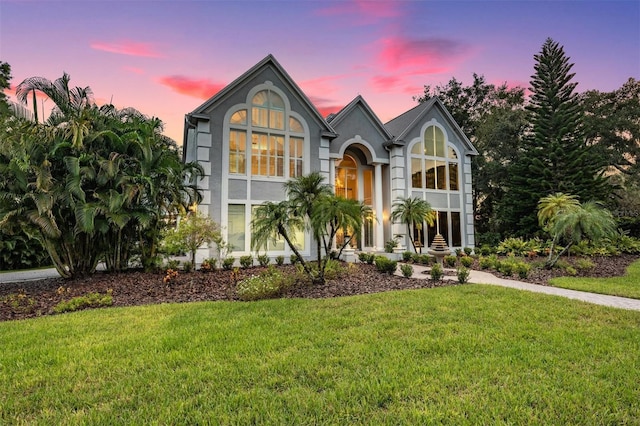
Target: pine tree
[[555, 156]]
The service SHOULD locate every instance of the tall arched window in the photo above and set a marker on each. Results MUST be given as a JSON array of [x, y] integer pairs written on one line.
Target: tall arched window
[[277, 139], [433, 164]]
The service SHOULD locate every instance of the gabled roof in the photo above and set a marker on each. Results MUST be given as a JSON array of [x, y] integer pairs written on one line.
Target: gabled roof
[[268, 61], [404, 123], [335, 119]]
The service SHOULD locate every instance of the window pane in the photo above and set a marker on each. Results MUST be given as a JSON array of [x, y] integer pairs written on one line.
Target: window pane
[[236, 227], [432, 230], [276, 101], [439, 136], [441, 175], [418, 149], [276, 120], [261, 99], [429, 141], [456, 234], [431, 174], [367, 189], [295, 125], [237, 154], [298, 240], [416, 173], [443, 223], [259, 116], [452, 153], [239, 117], [453, 176]]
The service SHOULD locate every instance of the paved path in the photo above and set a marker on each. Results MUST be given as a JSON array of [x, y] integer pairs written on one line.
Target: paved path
[[31, 275], [480, 277]]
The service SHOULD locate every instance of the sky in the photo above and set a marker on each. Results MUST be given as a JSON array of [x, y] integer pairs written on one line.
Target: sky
[[165, 58]]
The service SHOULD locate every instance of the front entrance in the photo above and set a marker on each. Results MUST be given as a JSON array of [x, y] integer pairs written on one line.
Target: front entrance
[[354, 181]]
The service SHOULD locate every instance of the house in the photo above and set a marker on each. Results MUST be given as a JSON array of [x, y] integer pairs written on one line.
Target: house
[[262, 130]]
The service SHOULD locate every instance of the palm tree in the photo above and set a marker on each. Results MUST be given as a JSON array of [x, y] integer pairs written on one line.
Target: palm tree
[[332, 214], [549, 208], [271, 220], [413, 212], [586, 221], [303, 193]]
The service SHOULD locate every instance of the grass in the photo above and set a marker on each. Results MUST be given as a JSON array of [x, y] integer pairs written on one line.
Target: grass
[[456, 355], [626, 286]]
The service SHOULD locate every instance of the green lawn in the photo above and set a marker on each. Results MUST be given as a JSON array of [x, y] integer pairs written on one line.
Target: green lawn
[[627, 286], [458, 355]]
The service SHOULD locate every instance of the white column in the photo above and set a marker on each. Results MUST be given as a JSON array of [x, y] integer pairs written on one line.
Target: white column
[[378, 204], [332, 173]]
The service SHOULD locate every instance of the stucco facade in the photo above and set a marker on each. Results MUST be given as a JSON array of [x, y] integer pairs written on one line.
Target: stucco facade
[[262, 130]]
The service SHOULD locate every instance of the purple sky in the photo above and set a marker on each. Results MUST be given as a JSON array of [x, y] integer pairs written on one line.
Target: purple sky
[[166, 57]]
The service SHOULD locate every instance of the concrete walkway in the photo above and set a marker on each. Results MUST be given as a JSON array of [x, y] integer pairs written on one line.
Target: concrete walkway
[[480, 277], [30, 275]]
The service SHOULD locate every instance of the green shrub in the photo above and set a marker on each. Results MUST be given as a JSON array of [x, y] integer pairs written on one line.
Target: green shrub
[[209, 264], [293, 259], [386, 265], [334, 269], [269, 283], [228, 262], [91, 300], [468, 251], [280, 260], [505, 267], [407, 270], [390, 245], [263, 259], [463, 275], [485, 262], [19, 251], [437, 272], [246, 261], [570, 270], [522, 269], [466, 261], [515, 246], [187, 266], [173, 264], [450, 260], [486, 251], [584, 264], [406, 256], [366, 257]]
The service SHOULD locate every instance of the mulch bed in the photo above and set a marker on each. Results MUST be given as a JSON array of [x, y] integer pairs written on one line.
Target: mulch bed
[[36, 298]]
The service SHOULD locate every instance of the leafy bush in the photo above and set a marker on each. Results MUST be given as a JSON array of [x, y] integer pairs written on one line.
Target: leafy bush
[[293, 259], [450, 260], [209, 264], [486, 262], [18, 251], [280, 260], [91, 300], [626, 244], [187, 266], [366, 257], [466, 261], [390, 245], [571, 271], [173, 264], [263, 259], [468, 251], [505, 267], [407, 270], [522, 269], [486, 250], [584, 264], [463, 275], [228, 262], [246, 261], [437, 272], [269, 283], [515, 246], [406, 256], [385, 265]]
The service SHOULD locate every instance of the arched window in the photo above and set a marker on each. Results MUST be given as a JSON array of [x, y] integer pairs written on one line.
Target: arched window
[[277, 139], [433, 164]]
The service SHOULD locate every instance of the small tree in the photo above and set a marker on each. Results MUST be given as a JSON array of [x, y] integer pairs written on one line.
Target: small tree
[[582, 221], [413, 212], [192, 232]]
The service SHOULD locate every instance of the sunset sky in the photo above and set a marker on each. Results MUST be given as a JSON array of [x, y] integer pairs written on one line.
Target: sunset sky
[[166, 57]]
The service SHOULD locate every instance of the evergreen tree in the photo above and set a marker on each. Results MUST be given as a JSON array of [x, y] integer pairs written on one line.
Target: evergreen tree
[[554, 156]]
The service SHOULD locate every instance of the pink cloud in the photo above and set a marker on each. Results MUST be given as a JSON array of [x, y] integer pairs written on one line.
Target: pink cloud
[[325, 84], [325, 106], [128, 47], [198, 88], [428, 55], [366, 11], [134, 70]]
